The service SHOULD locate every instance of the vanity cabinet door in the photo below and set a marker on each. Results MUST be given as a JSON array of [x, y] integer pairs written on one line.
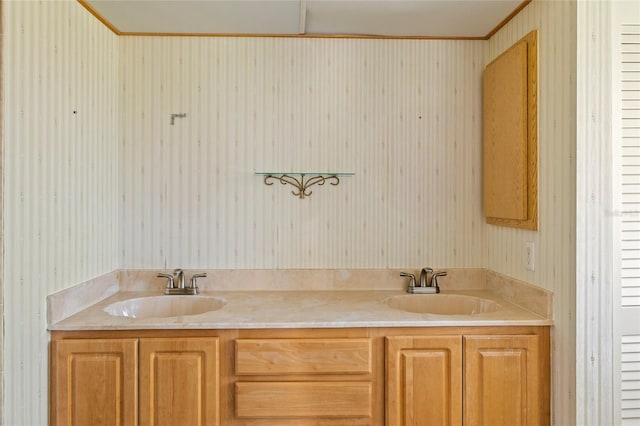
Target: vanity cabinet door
[[424, 381], [504, 381], [179, 381], [94, 382]]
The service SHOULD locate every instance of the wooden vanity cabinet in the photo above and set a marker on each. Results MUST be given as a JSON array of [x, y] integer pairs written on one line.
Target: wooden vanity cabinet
[[424, 380], [490, 380], [503, 379], [298, 381], [94, 382], [131, 381], [179, 381], [405, 376]]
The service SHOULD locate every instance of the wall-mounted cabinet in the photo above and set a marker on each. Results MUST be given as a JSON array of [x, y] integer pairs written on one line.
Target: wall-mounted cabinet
[[510, 129]]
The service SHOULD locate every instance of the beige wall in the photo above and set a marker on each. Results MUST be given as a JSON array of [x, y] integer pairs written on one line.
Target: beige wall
[[60, 178], [555, 241], [403, 115], [597, 356], [116, 186]]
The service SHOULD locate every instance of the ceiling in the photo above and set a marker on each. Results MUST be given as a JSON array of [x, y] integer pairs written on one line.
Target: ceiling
[[475, 19]]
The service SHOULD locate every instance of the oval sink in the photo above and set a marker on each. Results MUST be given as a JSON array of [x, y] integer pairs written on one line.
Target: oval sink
[[442, 304], [164, 306]]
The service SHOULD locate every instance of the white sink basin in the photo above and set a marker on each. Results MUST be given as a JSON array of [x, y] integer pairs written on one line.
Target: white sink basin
[[164, 306], [442, 304]]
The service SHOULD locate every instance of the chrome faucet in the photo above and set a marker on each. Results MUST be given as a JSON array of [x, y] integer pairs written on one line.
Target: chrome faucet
[[175, 283], [428, 281]]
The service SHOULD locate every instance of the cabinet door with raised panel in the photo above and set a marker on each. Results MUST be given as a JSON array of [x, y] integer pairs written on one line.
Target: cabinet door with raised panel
[[179, 381], [94, 382], [503, 379], [424, 381]]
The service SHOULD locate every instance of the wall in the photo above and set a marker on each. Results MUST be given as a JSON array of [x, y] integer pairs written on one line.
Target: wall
[[403, 115], [60, 178], [555, 241], [594, 223]]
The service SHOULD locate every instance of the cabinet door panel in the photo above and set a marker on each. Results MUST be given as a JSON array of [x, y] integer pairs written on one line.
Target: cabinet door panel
[[502, 380], [424, 381], [95, 382], [179, 381]]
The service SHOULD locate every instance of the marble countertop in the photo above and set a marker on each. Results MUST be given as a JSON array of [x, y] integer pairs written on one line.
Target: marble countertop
[[299, 309]]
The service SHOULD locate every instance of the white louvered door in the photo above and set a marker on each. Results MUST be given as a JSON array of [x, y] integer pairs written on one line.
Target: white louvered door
[[626, 135]]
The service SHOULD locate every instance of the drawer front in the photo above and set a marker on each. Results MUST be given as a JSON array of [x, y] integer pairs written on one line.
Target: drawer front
[[303, 399], [303, 356]]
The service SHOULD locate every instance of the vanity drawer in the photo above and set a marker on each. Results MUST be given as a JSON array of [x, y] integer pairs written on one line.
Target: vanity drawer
[[303, 399], [303, 356]]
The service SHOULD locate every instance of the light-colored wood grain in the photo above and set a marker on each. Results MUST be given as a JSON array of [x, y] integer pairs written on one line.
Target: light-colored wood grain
[[94, 382], [502, 380], [504, 84], [179, 382], [376, 379], [531, 219], [303, 356], [303, 399], [424, 381]]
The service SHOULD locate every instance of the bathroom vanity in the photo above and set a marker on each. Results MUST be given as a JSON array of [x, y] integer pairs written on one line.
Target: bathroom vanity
[[290, 358], [351, 376]]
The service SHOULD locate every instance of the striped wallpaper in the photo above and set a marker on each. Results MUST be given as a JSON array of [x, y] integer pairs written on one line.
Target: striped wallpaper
[[403, 115], [555, 241], [60, 178], [594, 254], [115, 185]]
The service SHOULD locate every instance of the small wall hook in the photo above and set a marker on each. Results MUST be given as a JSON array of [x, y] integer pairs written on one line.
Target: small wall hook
[[174, 116]]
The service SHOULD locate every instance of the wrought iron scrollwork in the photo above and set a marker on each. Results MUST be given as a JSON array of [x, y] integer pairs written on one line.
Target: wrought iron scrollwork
[[303, 184]]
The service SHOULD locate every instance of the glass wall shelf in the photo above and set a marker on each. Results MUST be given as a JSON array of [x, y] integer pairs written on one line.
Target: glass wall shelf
[[302, 181]]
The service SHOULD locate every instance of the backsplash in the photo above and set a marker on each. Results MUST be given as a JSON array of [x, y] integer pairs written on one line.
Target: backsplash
[[300, 279]]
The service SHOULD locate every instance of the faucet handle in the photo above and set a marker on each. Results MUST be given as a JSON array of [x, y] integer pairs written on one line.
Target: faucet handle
[[434, 278], [194, 279], [169, 279], [412, 278]]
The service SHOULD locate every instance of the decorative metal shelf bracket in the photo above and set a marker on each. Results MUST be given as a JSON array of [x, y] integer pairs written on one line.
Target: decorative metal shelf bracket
[[303, 183]]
